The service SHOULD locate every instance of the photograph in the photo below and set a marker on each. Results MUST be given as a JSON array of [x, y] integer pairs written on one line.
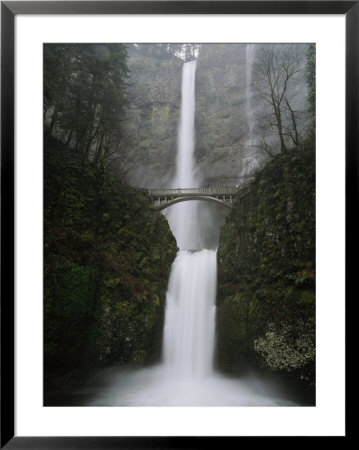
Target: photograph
[[179, 224]]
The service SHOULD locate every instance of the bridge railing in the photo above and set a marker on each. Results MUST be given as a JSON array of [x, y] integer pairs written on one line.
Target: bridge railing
[[229, 190]]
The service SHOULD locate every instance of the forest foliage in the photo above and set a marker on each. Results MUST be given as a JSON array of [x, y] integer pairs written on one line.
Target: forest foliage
[[266, 273], [85, 97], [107, 256], [107, 253]]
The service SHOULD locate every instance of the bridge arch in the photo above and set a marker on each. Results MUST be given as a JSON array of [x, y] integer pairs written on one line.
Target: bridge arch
[[171, 202], [164, 198]]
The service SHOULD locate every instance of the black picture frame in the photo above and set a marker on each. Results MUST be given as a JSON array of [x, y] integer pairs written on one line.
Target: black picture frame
[[9, 9]]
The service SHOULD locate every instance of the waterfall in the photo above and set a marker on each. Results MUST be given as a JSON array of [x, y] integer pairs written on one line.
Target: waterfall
[[249, 162], [186, 375], [183, 218], [250, 54], [249, 165], [190, 312], [190, 315]]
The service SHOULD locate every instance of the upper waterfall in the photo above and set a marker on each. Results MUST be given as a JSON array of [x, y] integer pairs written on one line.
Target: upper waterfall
[[183, 218], [185, 161]]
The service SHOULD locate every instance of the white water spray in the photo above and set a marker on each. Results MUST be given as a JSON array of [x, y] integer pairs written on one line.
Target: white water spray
[[186, 375]]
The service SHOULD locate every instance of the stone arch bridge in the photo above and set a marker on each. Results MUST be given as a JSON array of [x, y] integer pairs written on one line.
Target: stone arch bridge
[[163, 198]]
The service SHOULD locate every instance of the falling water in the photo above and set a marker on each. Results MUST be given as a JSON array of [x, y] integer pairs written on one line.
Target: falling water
[[249, 163], [186, 375], [190, 313], [183, 218], [250, 55]]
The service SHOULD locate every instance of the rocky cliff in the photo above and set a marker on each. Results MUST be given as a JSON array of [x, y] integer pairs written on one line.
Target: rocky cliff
[[154, 94], [106, 265], [222, 130], [266, 272], [228, 112]]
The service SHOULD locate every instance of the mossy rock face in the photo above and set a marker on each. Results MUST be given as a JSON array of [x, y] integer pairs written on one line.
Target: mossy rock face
[[154, 94], [107, 260], [266, 272]]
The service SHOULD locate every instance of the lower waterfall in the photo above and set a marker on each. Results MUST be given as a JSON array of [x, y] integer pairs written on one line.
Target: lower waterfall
[[190, 316], [186, 376]]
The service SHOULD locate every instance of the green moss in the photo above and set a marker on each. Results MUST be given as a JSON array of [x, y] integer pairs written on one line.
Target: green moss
[[307, 298], [266, 263], [107, 259]]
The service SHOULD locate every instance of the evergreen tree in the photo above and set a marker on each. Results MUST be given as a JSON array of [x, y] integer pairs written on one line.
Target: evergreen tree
[[84, 96]]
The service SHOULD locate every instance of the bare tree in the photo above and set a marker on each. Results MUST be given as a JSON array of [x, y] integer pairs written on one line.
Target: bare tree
[[277, 69]]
